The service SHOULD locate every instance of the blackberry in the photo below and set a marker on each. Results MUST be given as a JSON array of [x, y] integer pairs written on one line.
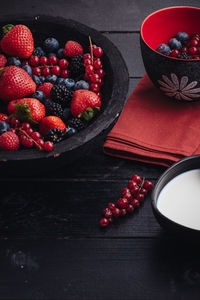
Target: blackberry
[[60, 94], [54, 109], [76, 66], [76, 123], [37, 52], [55, 135], [184, 56]]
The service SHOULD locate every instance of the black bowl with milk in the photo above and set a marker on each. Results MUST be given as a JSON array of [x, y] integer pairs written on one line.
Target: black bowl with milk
[[176, 197]]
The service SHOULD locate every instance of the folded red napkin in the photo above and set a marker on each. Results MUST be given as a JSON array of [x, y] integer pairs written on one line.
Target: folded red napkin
[[155, 129]]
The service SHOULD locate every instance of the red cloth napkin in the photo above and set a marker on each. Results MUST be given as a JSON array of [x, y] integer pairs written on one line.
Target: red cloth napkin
[[155, 129]]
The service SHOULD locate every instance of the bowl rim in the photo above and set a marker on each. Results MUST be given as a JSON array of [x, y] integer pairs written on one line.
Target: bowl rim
[[106, 118], [158, 11], [156, 187]]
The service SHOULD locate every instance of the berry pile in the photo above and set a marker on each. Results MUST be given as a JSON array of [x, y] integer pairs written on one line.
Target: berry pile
[[182, 46], [131, 197], [54, 88]]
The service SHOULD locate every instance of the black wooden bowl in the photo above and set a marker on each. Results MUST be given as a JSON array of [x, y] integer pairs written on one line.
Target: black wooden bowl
[[176, 78], [114, 94], [186, 164]]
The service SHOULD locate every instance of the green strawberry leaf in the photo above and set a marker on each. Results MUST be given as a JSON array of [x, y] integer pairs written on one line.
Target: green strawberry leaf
[[23, 113], [7, 28]]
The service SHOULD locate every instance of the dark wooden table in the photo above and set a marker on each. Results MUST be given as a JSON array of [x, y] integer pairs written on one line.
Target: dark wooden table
[[51, 247]]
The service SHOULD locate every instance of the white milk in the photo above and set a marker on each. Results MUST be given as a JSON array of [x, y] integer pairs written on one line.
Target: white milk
[[180, 199]]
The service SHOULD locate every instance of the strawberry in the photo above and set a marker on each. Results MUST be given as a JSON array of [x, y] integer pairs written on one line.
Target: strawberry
[[27, 109], [51, 122], [9, 141], [18, 41], [3, 60], [72, 49], [84, 103], [15, 83], [4, 118], [46, 88]]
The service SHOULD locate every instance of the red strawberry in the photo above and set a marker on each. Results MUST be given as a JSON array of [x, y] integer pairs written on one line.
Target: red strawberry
[[27, 109], [18, 41], [3, 60], [15, 83], [72, 48], [4, 118], [9, 141], [51, 122], [83, 104], [46, 88]]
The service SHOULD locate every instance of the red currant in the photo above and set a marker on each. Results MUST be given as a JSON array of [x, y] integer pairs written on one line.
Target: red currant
[[100, 72], [116, 212], [46, 72], [140, 197], [94, 87], [174, 53], [136, 178], [25, 126], [104, 222], [87, 77], [99, 94], [89, 69], [100, 82], [29, 131], [44, 60], [135, 203], [36, 135], [94, 78], [24, 62], [14, 123], [111, 205], [196, 57], [34, 61], [36, 71], [55, 70], [48, 146], [126, 194], [148, 185], [107, 213], [12, 130], [143, 191], [194, 43], [53, 60], [98, 52], [64, 73], [63, 63], [40, 142], [97, 63], [87, 62], [26, 142], [132, 184], [184, 49], [122, 203], [86, 56], [193, 50], [123, 212], [130, 208]]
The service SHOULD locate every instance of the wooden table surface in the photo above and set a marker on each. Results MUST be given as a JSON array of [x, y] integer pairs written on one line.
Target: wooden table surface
[[51, 247]]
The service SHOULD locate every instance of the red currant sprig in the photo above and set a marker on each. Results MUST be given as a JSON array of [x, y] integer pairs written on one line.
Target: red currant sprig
[[131, 197]]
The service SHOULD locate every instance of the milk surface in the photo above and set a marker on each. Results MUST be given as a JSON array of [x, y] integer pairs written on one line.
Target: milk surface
[[179, 200]]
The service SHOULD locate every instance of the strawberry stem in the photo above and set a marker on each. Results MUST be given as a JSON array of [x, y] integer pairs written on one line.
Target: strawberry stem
[[7, 28]]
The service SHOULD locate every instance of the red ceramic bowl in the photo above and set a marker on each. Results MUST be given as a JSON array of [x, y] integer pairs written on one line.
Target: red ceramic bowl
[[176, 78]]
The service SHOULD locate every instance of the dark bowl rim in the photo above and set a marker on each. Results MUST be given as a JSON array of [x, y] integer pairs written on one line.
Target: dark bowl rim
[[154, 202], [155, 12], [105, 119]]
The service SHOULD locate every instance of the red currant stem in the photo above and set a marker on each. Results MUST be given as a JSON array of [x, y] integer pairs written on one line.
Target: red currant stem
[[91, 49], [46, 66], [25, 133]]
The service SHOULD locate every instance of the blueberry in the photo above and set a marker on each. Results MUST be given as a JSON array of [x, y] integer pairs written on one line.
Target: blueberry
[[70, 131], [51, 44], [182, 37], [42, 79], [66, 113], [13, 61], [61, 81], [51, 78], [69, 83], [37, 80], [28, 69], [60, 53], [81, 84], [51, 54], [41, 51], [164, 49], [4, 127], [175, 44], [39, 95]]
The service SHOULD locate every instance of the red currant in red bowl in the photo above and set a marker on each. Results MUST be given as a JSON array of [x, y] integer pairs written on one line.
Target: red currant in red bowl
[[170, 47]]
